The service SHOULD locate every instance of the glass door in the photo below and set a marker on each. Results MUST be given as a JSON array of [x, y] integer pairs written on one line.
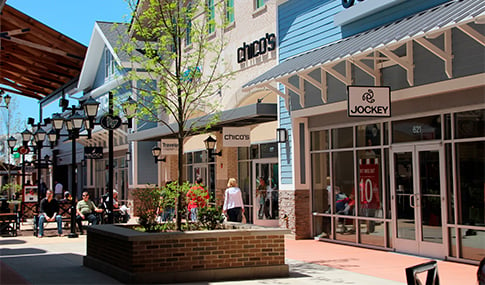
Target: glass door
[[418, 200], [265, 196]]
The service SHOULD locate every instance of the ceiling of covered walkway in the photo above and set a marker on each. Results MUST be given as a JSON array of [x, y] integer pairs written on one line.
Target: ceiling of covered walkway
[[35, 60]]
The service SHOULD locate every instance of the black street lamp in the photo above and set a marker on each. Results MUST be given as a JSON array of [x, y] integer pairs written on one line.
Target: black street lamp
[[210, 145], [156, 151], [7, 99]]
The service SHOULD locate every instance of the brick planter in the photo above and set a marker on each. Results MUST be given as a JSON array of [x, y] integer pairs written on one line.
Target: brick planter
[[236, 253]]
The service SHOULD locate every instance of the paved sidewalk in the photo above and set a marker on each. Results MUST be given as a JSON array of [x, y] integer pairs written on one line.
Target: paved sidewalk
[[58, 260]]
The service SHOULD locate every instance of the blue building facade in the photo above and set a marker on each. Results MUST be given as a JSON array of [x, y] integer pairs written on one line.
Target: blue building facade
[[400, 176]]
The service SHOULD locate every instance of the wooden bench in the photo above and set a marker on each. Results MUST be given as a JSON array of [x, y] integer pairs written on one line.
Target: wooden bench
[[64, 211], [9, 223]]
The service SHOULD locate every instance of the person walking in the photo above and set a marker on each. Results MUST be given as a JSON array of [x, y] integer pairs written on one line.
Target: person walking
[[233, 203], [49, 212], [197, 197]]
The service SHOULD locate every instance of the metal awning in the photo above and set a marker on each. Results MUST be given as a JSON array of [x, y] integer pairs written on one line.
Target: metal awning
[[455, 13], [237, 117]]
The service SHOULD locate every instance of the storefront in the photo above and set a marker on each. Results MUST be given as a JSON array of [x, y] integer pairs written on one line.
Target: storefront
[[410, 181]]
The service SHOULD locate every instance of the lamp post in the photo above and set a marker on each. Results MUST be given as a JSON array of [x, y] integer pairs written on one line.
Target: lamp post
[[156, 151], [210, 145]]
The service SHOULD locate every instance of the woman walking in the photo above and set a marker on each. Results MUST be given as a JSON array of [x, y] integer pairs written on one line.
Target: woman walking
[[233, 203]]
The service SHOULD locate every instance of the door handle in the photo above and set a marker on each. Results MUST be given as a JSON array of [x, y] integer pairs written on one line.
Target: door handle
[[412, 198]]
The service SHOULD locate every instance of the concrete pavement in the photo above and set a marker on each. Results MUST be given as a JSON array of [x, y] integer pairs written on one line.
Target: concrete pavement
[[58, 260]]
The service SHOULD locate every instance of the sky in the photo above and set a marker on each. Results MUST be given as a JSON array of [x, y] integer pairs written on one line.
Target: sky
[[73, 18]]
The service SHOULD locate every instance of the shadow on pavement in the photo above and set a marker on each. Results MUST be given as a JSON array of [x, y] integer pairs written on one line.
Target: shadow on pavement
[[20, 251], [12, 241], [56, 269]]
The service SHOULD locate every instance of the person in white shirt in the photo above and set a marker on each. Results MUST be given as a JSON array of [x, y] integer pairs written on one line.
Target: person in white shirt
[[233, 202]]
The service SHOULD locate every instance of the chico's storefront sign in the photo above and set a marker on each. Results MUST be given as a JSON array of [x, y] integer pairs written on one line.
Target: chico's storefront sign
[[257, 47], [369, 101], [236, 137]]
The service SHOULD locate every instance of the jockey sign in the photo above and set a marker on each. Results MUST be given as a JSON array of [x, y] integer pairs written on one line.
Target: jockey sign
[[369, 101]]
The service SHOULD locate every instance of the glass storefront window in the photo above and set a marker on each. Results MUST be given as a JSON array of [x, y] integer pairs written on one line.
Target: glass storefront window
[[322, 191], [345, 229], [322, 226], [343, 182], [470, 167], [472, 247], [254, 151], [386, 133], [470, 124], [319, 140], [370, 183], [417, 129], [342, 138], [447, 129], [268, 150], [372, 233], [199, 157], [368, 135]]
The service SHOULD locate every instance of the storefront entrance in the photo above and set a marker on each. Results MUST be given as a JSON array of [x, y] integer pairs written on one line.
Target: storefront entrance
[[418, 199], [265, 196]]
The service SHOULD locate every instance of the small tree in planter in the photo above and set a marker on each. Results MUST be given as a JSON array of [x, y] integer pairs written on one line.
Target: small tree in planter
[[154, 200]]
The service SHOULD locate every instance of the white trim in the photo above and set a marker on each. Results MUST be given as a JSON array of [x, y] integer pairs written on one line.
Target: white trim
[[452, 85]]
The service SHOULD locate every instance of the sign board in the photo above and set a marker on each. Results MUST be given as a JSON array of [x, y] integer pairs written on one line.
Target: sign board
[[23, 150], [236, 137], [110, 122], [170, 147], [369, 101], [30, 194], [93, 152], [369, 183]]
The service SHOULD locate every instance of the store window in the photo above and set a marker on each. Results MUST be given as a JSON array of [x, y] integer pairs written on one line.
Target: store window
[[417, 129], [109, 64], [259, 4], [470, 124], [322, 190], [368, 135], [342, 138], [319, 140]]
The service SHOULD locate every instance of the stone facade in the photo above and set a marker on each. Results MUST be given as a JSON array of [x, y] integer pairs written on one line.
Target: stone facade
[[295, 212]]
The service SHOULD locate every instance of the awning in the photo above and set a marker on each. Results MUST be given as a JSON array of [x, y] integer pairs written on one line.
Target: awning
[[446, 16], [35, 60], [237, 117]]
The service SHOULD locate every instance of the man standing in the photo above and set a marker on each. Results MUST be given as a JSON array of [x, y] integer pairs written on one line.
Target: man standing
[[85, 210], [49, 209], [58, 190]]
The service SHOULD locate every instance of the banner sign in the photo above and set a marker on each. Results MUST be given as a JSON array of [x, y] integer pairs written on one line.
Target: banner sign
[[236, 137], [369, 183], [369, 101], [30, 194], [170, 147], [93, 152]]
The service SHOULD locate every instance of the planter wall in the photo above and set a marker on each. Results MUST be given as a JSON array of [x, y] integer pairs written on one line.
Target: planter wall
[[242, 252]]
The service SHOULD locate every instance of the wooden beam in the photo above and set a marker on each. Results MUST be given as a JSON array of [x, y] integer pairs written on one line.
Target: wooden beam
[[472, 33]]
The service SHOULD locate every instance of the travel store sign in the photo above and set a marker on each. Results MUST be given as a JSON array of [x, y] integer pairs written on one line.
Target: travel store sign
[[369, 101], [256, 48]]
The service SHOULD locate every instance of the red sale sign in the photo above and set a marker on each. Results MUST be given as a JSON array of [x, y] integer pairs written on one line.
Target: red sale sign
[[369, 183]]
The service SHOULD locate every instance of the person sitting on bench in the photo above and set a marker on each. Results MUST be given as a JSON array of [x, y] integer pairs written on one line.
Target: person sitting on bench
[[85, 210], [49, 209]]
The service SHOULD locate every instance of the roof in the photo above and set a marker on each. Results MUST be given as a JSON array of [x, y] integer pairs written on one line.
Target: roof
[[108, 34], [426, 22], [35, 60], [237, 117]]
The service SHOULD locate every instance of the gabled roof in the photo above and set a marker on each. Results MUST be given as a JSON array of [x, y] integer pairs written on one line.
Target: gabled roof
[[35, 60], [108, 34]]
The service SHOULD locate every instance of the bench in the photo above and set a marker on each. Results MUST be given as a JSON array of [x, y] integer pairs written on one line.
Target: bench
[[9, 223], [64, 211]]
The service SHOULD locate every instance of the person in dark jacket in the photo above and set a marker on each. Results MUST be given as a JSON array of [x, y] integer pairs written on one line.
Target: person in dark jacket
[[49, 212]]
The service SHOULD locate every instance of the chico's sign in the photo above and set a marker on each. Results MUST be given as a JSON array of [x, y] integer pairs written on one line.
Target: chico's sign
[[236, 137], [369, 101], [257, 47]]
